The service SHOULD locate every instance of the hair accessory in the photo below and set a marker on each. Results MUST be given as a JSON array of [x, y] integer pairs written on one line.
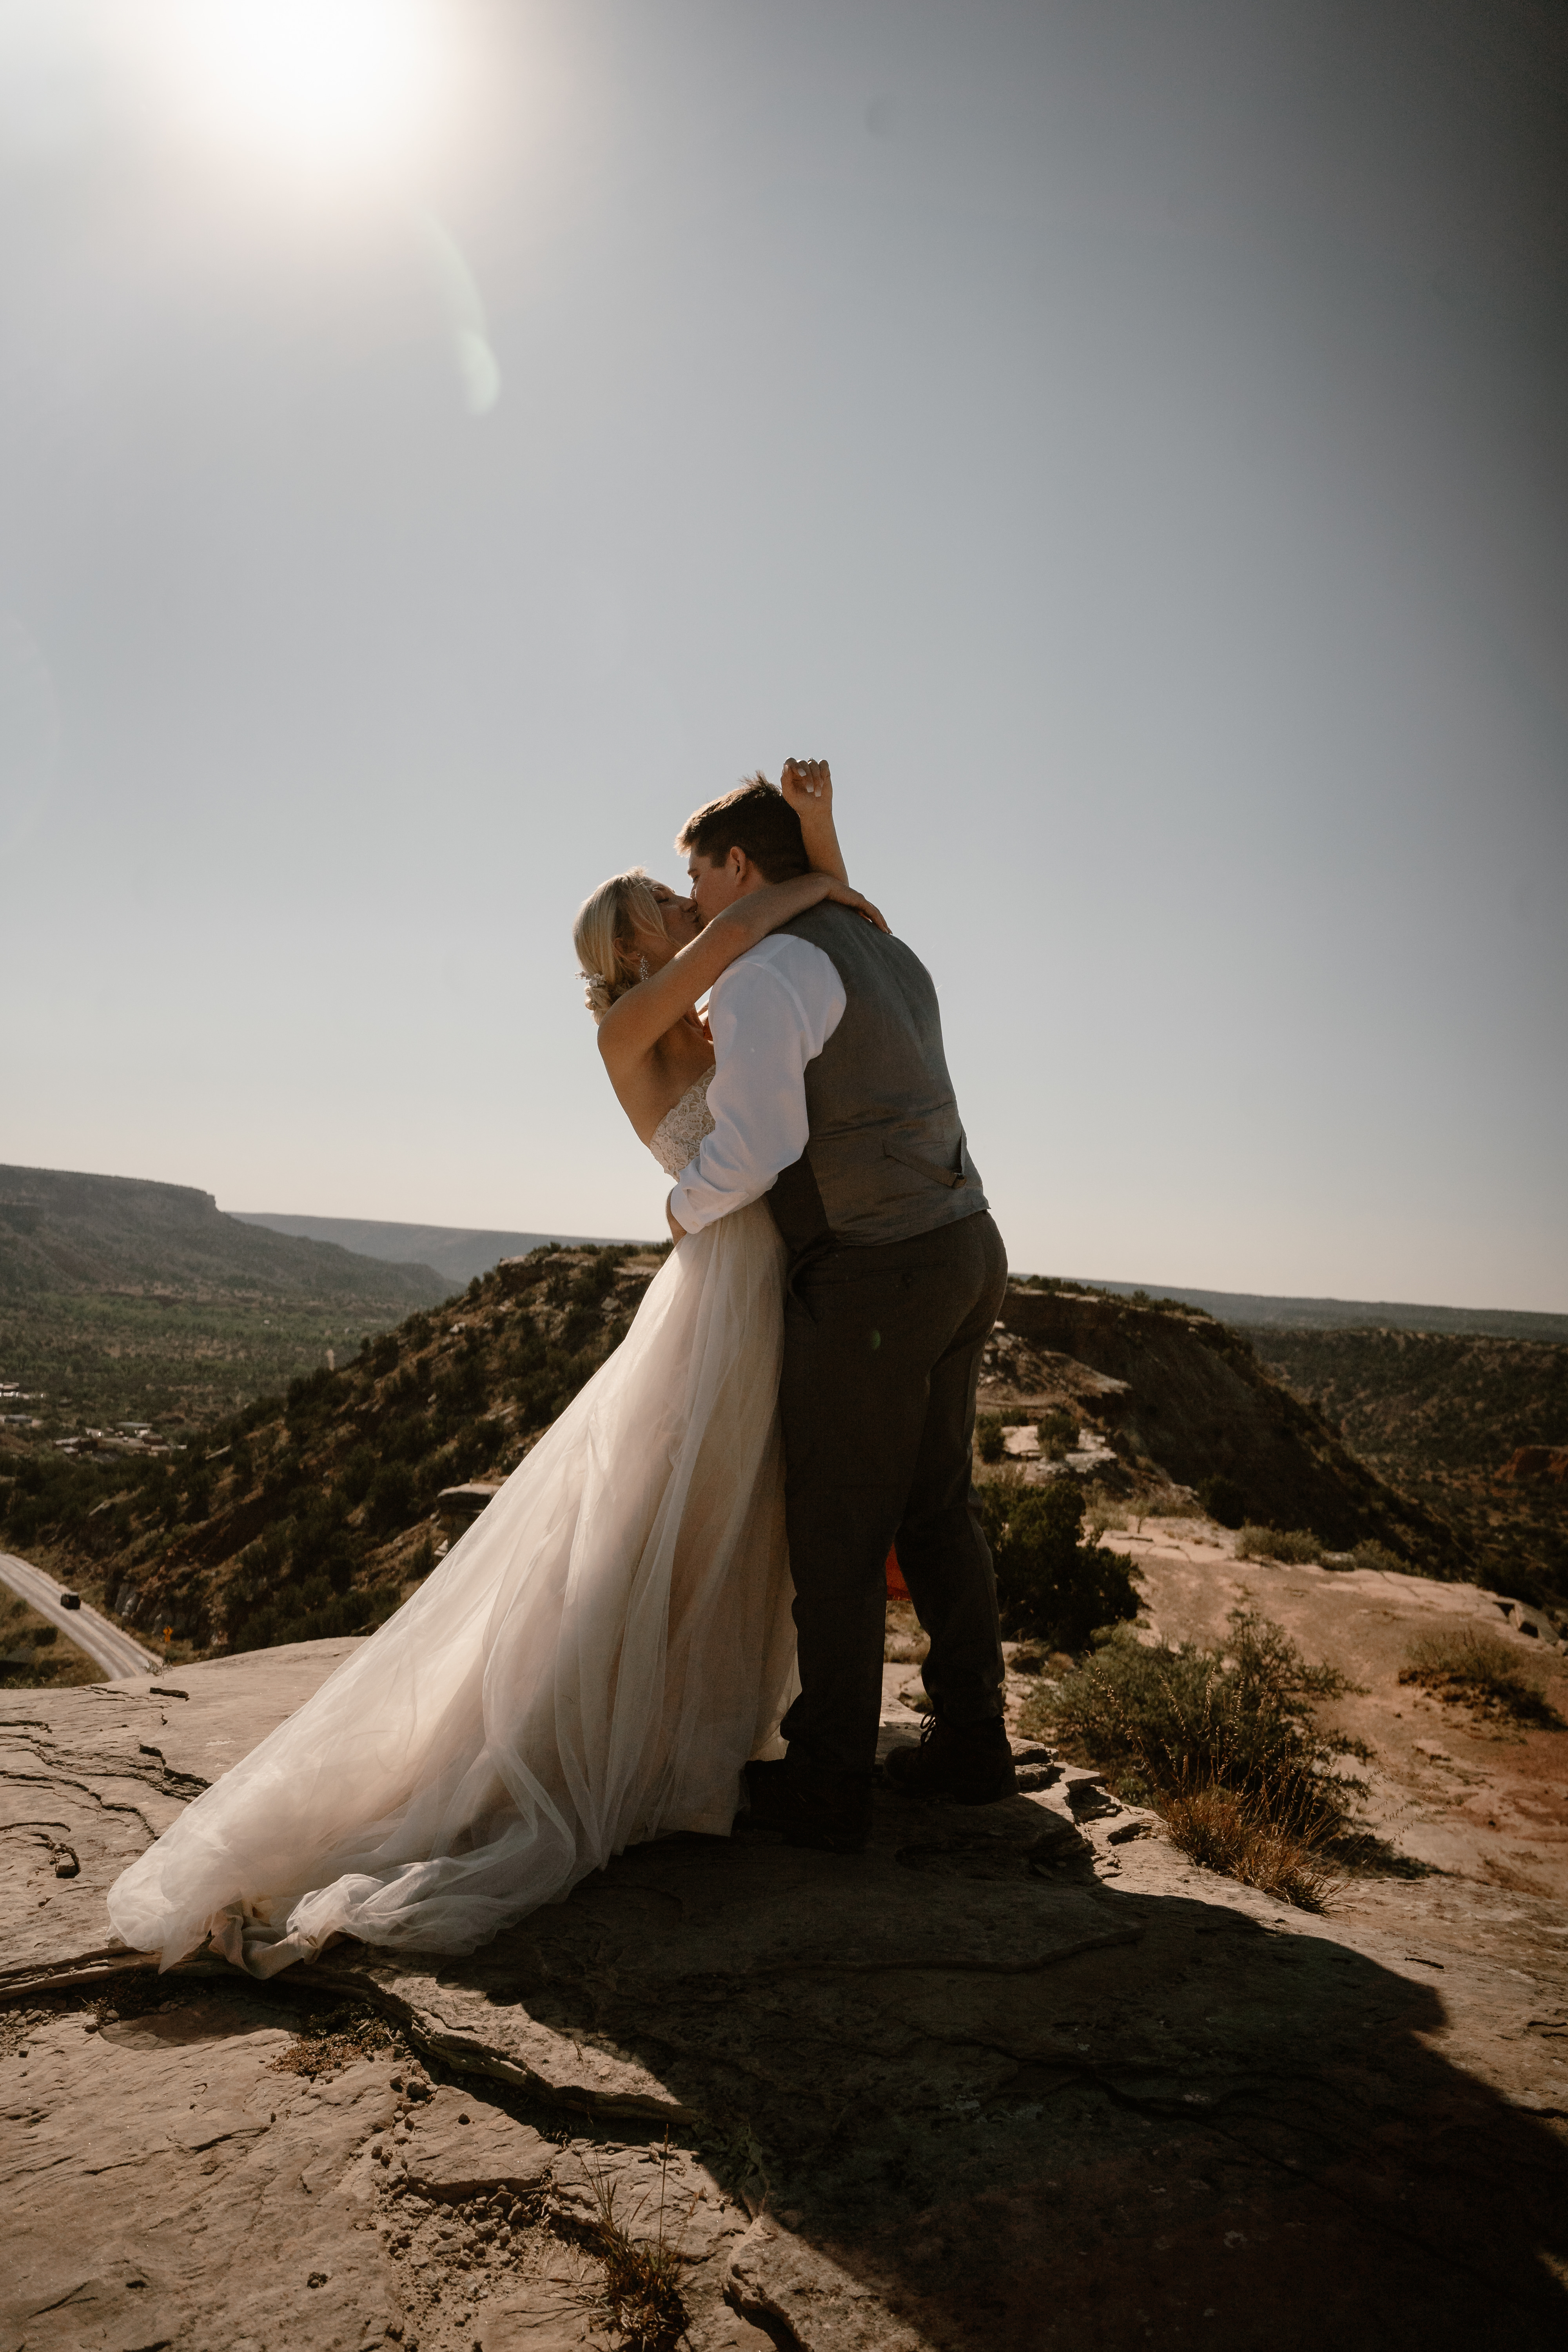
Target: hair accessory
[[597, 995]]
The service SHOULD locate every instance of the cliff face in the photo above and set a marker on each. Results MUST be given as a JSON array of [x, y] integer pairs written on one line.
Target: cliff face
[[1198, 1401]]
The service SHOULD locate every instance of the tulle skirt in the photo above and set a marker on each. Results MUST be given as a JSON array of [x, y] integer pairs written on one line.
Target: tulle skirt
[[589, 1667]]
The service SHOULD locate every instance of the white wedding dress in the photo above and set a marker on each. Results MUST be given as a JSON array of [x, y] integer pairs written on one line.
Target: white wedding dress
[[590, 1666]]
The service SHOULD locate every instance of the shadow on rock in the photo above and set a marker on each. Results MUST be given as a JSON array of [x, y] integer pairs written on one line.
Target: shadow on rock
[[976, 2095]]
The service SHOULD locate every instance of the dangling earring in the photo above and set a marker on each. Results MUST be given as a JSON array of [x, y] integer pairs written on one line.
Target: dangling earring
[[642, 967]]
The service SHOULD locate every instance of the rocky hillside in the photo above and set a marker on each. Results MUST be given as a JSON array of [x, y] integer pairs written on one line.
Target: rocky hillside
[[307, 1515], [1187, 1396], [1445, 1421], [122, 1298], [311, 1514]]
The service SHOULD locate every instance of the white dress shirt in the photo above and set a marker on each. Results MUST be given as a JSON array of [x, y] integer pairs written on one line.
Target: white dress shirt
[[770, 1014]]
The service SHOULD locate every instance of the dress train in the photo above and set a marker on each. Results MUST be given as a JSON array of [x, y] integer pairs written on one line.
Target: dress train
[[590, 1666]]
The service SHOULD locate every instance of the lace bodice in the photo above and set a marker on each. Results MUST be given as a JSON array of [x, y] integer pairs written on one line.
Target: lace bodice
[[675, 1140]]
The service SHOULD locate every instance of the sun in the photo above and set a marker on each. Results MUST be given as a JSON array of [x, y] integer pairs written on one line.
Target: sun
[[332, 86]]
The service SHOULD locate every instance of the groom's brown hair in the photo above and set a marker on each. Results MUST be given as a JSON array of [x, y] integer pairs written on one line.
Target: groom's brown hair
[[756, 818]]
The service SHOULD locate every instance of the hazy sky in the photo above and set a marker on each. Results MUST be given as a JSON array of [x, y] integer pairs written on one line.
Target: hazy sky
[[1126, 438]]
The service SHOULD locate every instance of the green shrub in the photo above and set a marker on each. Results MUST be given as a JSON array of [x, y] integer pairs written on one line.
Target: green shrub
[[392, 1501], [1051, 1585], [321, 1546], [595, 1281], [1171, 1726], [307, 1398], [988, 1437], [1295, 1549], [1370, 1553], [358, 1472], [1224, 1501], [412, 1436], [309, 1616]]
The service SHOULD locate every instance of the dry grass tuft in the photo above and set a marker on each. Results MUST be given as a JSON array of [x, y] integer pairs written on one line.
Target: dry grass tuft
[[1480, 1670], [641, 2292], [1224, 1830]]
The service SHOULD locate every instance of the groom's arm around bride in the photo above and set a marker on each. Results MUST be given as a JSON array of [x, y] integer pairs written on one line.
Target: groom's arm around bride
[[831, 1097]]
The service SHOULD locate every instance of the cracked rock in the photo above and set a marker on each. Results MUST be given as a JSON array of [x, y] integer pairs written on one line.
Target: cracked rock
[[1020, 2075]]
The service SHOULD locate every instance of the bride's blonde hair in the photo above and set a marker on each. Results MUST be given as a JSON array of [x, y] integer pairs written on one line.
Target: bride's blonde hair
[[608, 921]]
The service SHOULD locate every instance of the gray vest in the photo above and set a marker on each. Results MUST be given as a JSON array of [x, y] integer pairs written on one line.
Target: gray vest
[[885, 1156]]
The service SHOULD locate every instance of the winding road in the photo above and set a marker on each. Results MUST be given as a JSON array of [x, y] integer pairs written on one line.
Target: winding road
[[104, 1643]]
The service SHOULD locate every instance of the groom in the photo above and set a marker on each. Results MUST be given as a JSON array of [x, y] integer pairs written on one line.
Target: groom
[[831, 1097]]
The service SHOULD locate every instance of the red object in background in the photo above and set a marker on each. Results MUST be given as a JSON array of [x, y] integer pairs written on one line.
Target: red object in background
[[895, 1584]]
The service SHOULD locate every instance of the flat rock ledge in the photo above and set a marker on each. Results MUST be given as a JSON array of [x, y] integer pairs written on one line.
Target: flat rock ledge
[[1020, 2076]]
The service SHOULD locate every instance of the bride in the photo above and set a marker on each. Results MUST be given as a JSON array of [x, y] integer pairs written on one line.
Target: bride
[[596, 1661]]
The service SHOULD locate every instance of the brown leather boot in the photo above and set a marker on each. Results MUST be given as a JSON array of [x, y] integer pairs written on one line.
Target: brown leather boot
[[966, 1763]]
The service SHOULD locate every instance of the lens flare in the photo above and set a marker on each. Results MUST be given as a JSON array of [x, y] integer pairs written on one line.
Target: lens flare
[[479, 370], [329, 85]]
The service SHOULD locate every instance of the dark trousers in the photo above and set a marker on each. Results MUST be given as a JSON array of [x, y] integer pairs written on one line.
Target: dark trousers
[[881, 1358]]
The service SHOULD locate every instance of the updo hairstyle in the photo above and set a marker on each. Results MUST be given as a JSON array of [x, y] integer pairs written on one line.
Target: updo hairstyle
[[608, 921]]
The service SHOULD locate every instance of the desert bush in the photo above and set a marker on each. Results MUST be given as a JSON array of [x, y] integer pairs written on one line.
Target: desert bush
[[1370, 1553], [1480, 1670], [463, 1389], [583, 1325], [412, 1436], [390, 1501], [1182, 1727], [320, 1545], [1051, 1584], [357, 1475], [307, 1398], [1294, 1548], [408, 1387], [313, 1614], [988, 1437], [594, 1282], [1224, 1501]]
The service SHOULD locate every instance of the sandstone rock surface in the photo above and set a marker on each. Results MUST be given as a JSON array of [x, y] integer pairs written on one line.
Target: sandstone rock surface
[[1018, 2076]]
